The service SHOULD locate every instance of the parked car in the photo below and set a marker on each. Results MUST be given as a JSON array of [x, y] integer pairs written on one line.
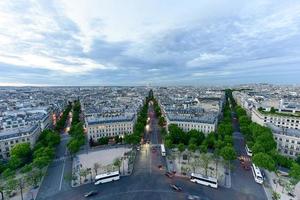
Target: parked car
[[176, 187], [91, 193]]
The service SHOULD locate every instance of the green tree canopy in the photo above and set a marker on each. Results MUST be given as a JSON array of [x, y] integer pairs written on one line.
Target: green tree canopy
[[295, 173], [228, 153], [264, 160]]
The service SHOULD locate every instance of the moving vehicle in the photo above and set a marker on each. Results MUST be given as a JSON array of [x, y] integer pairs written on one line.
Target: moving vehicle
[[204, 180], [248, 151], [91, 193], [257, 174], [176, 187], [107, 177], [163, 150]]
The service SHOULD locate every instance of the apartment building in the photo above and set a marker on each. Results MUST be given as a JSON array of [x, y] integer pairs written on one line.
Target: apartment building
[[110, 126], [285, 121], [288, 140], [11, 137]]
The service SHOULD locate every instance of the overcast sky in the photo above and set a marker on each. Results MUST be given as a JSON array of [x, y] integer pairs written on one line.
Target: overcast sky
[[138, 42]]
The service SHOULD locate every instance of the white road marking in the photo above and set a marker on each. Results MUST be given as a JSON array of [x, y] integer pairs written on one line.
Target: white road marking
[[63, 171]]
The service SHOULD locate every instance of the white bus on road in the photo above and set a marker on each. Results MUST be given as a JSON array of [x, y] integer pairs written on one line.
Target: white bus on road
[[163, 150], [248, 151], [107, 177], [204, 180], [257, 174]]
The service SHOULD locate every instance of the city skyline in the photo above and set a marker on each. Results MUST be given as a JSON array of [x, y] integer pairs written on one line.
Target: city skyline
[[56, 43]]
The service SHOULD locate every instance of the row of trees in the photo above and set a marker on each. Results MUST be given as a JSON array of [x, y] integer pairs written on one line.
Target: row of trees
[[220, 141], [76, 131], [139, 126], [29, 162], [61, 123], [260, 140]]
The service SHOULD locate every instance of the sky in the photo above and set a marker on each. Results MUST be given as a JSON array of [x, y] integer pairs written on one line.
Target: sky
[[153, 42]]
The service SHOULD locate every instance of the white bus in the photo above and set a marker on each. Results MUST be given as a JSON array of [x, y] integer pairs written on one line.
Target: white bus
[[204, 180], [248, 151], [107, 177], [163, 150], [257, 174]]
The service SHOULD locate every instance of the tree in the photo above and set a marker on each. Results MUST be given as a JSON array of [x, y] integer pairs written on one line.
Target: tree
[[228, 153], [34, 177], [83, 173], [96, 167], [275, 195], [103, 140], [264, 160], [196, 137], [117, 163], [41, 162], [216, 158], [295, 173], [73, 146], [8, 173], [27, 168], [298, 160], [203, 148], [181, 149], [11, 185], [192, 147], [205, 160], [44, 152], [22, 151], [14, 162], [168, 143]]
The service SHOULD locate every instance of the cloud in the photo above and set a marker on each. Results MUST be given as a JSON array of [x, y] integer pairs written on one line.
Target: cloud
[[206, 58], [101, 42]]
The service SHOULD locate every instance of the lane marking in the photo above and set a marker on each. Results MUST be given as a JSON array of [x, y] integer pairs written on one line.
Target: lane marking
[[63, 171]]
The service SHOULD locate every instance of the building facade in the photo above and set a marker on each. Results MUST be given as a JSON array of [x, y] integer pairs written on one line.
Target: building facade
[[290, 122], [110, 127], [8, 139]]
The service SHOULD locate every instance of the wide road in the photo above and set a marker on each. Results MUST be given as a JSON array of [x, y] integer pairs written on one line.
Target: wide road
[[241, 179], [148, 182], [54, 181]]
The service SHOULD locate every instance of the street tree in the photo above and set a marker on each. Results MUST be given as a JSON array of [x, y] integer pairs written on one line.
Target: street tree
[[41, 162], [96, 166], [14, 162], [117, 163], [22, 151], [204, 162], [264, 160], [228, 153], [10, 186], [33, 177], [295, 173]]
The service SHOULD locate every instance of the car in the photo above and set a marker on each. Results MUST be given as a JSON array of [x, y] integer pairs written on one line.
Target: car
[[90, 193], [193, 197], [138, 148], [176, 187], [169, 174]]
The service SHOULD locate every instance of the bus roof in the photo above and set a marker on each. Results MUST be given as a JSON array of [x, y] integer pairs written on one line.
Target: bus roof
[[204, 177], [256, 170], [107, 174]]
